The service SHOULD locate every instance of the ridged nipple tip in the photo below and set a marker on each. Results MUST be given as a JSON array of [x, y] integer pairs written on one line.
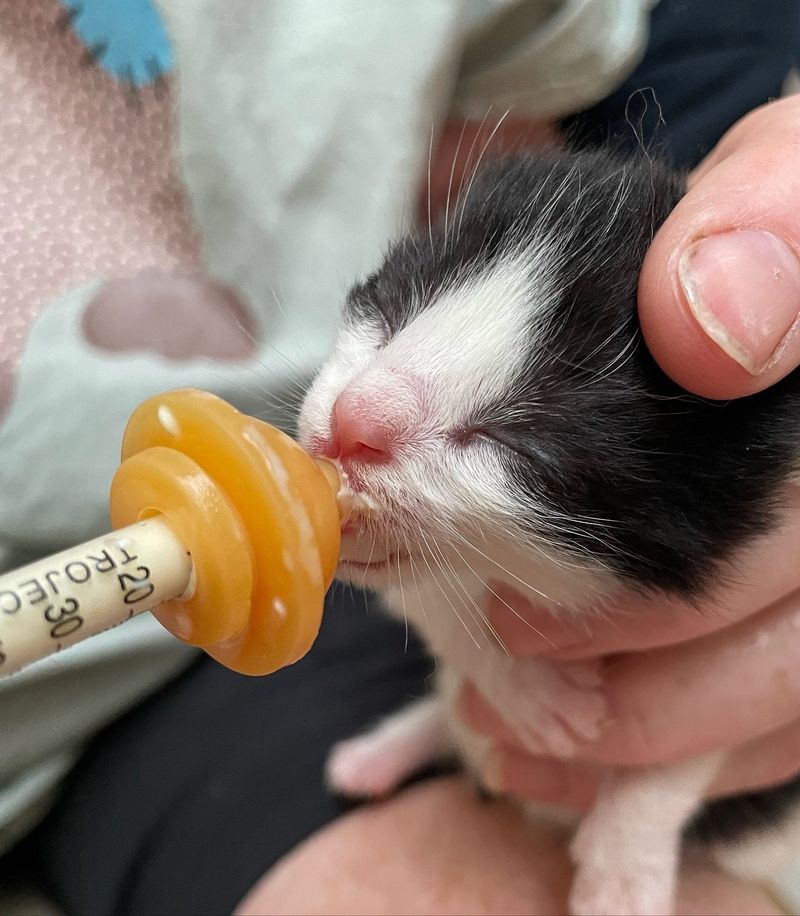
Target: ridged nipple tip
[[333, 476]]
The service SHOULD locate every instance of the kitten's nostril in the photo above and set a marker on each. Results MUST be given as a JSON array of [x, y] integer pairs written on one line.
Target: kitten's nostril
[[359, 431]]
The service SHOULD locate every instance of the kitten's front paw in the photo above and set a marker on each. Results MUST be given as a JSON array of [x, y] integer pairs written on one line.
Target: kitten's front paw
[[552, 707], [364, 767]]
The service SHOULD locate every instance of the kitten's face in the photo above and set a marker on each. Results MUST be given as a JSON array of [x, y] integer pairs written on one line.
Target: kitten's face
[[416, 403], [494, 408]]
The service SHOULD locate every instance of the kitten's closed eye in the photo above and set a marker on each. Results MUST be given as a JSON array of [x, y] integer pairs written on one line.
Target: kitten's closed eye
[[501, 439]]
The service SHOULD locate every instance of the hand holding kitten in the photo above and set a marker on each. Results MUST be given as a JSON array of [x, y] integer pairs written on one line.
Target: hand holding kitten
[[719, 298]]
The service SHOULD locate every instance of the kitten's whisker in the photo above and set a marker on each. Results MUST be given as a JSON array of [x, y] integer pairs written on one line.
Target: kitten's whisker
[[430, 162], [298, 339], [369, 558], [478, 163], [450, 182], [273, 400], [514, 611], [403, 599], [416, 583], [444, 593], [455, 584], [508, 572], [482, 617], [468, 166]]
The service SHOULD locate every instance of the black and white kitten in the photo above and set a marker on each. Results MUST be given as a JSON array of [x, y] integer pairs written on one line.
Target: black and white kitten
[[499, 419]]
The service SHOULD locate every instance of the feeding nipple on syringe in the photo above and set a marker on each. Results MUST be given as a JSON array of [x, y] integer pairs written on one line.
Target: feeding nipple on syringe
[[231, 538]]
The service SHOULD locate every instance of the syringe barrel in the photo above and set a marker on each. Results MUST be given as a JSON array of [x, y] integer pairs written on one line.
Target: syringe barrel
[[63, 599]]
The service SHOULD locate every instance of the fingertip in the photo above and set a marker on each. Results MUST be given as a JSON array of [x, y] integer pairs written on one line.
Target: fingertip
[[719, 291], [677, 342]]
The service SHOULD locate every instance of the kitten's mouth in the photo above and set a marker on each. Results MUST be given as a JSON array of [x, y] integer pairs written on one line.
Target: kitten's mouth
[[356, 504], [385, 564], [376, 573], [360, 509]]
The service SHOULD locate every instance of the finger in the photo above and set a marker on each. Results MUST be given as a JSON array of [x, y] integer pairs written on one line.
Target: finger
[[766, 572], [543, 780], [706, 695], [719, 293], [756, 766], [477, 714], [761, 763]]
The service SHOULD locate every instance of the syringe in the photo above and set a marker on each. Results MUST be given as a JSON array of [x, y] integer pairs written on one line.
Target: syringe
[[224, 528]]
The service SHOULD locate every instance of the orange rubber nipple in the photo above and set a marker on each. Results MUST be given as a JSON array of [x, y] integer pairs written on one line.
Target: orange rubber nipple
[[257, 514]]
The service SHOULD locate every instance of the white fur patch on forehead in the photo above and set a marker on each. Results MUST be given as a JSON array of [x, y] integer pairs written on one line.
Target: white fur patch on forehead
[[356, 344], [471, 342]]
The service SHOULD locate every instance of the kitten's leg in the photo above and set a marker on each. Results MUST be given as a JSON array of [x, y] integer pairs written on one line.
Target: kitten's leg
[[627, 849], [375, 763]]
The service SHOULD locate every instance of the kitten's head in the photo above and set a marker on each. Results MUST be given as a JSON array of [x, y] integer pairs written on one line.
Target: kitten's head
[[494, 407]]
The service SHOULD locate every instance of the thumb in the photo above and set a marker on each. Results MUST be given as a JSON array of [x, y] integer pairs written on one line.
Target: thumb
[[719, 294]]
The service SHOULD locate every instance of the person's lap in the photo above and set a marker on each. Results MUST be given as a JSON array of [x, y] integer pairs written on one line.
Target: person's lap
[[440, 848]]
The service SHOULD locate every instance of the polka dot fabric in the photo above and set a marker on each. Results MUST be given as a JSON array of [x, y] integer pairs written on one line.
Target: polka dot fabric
[[88, 186]]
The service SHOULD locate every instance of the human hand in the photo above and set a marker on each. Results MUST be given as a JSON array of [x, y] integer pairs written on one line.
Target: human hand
[[682, 680], [719, 293]]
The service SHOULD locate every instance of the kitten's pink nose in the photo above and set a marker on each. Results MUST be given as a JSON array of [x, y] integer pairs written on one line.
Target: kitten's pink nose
[[371, 416], [360, 432]]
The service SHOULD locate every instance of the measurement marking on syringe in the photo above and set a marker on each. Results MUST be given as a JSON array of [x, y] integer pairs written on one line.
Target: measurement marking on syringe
[[51, 604], [136, 586], [78, 572], [60, 598]]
